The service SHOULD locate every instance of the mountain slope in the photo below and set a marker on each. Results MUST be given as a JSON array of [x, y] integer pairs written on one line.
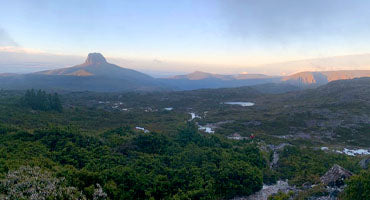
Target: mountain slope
[[198, 75], [96, 65], [354, 91], [323, 77], [200, 80], [346, 62], [96, 74]]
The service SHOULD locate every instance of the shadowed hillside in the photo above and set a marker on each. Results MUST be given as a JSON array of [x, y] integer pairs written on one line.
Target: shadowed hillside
[[201, 80], [320, 78], [96, 74]]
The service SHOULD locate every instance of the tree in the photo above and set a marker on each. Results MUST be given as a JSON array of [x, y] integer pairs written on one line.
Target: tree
[[188, 134], [56, 103], [152, 143], [358, 187], [41, 101], [238, 178]]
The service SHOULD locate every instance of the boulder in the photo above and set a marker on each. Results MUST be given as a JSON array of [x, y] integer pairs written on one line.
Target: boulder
[[335, 176], [364, 163]]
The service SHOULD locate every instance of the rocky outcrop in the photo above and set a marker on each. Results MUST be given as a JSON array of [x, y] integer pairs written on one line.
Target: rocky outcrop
[[275, 157], [364, 163], [335, 176], [95, 58], [268, 190], [323, 77]]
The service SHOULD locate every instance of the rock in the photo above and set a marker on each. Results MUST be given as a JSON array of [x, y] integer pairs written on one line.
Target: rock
[[278, 147], [267, 190], [335, 176], [275, 149], [364, 163], [322, 198], [99, 194], [95, 58], [275, 159]]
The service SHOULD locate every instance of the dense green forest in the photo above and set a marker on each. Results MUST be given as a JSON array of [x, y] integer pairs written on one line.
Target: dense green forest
[[129, 165], [39, 100], [91, 149]]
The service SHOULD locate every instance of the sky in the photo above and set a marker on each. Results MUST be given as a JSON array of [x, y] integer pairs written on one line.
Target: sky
[[209, 34]]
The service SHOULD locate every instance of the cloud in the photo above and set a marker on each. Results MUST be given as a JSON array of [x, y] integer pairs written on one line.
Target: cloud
[[18, 49], [294, 19], [5, 39]]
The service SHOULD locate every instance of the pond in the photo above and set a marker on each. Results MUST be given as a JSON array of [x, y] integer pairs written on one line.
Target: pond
[[193, 116], [206, 129], [350, 152], [142, 129], [239, 103], [353, 152]]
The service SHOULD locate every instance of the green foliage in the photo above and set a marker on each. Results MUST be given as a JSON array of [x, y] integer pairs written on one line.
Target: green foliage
[[358, 187], [306, 165], [92, 143], [188, 134], [132, 165], [269, 176], [238, 178], [316, 191], [280, 196], [5, 129], [151, 143], [39, 100]]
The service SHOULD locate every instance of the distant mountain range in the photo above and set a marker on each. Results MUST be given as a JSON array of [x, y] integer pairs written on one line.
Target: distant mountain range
[[304, 79], [198, 80], [334, 63], [198, 75], [96, 74]]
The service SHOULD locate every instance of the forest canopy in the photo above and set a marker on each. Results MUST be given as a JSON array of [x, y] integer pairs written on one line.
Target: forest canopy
[[40, 100], [132, 165]]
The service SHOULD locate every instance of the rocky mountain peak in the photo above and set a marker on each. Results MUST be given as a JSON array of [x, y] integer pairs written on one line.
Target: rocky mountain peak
[[95, 58]]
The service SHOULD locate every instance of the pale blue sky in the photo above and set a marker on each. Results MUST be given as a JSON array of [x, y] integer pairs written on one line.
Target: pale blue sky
[[224, 32]]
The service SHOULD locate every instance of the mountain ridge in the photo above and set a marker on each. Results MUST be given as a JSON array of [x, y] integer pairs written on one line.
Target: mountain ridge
[[317, 78], [199, 79], [95, 74], [96, 65], [198, 75]]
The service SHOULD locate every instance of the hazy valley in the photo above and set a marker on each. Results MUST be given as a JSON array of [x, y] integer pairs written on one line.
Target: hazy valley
[[96, 74]]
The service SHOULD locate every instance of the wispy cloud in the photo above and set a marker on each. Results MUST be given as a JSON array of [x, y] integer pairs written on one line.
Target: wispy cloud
[[18, 49]]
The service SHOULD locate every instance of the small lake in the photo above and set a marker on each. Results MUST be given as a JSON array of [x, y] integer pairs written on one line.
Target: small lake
[[193, 116], [239, 103], [142, 129], [350, 152], [206, 129], [353, 152]]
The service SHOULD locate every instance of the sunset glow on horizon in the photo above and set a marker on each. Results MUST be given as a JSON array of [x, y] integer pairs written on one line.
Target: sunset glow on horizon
[[215, 35]]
